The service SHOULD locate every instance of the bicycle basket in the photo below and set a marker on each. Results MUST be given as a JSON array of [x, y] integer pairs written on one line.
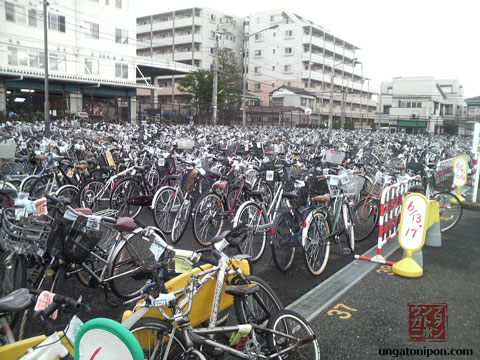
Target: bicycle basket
[[189, 179], [25, 235], [334, 157], [80, 241], [351, 184], [443, 179]]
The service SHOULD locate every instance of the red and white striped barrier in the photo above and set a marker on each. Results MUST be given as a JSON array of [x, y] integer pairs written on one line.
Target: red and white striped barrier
[[389, 221]]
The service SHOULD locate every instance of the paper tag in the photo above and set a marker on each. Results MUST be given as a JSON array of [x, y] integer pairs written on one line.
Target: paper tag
[[259, 146], [163, 300], [93, 222], [72, 328], [21, 200], [201, 171], [19, 213], [157, 250], [70, 216], [243, 330], [299, 184], [70, 173], [246, 147], [182, 266], [109, 157], [269, 175], [161, 162], [43, 302], [40, 206]]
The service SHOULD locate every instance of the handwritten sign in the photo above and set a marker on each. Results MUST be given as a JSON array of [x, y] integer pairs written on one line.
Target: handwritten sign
[[460, 168], [413, 220]]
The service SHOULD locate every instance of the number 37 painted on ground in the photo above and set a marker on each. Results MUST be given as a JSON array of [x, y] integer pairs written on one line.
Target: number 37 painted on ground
[[341, 314]]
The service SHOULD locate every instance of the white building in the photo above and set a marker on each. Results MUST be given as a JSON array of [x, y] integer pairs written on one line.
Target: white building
[[420, 103], [92, 52], [287, 49], [186, 36]]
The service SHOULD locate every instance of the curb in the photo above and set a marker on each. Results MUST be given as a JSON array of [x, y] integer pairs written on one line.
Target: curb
[[470, 205]]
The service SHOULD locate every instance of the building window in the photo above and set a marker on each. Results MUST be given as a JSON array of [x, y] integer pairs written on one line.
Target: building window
[[119, 4], [274, 18], [389, 90], [410, 104], [36, 58], [287, 68], [259, 36], [303, 101], [56, 22], [121, 70], [258, 53], [449, 109], [91, 30], [273, 51], [213, 17], [288, 51], [288, 34], [91, 67], [289, 83], [121, 36], [257, 86], [273, 67], [15, 13], [32, 17], [212, 34], [256, 70], [57, 62], [386, 109], [212, 51], [273, 83]]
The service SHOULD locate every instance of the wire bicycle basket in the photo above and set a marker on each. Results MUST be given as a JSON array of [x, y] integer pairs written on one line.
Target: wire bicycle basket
[[80, 240], [26, 234], [334, 157], [350, 184]]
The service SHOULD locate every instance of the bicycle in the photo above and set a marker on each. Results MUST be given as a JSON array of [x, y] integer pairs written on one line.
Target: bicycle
[[159, 339]]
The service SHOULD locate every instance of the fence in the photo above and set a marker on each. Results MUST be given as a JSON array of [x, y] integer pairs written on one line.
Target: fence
[[389, 221]]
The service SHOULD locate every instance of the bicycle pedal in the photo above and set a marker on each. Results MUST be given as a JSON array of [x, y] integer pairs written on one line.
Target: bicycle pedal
[[346, 251]]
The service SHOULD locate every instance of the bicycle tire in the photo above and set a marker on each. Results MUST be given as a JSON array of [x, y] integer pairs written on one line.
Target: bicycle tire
[[26, 183], [152, 335], [41, 186], [165, 208], [255, 240], [365, 216], [257, 307], [181, 220], [13, 276], [93, 196], [124, 190], [316, 250], [129, 255], [208, 219], [70, 192], [291, 323], [450, 208], [283, 253], [348, 223], [232, 193]]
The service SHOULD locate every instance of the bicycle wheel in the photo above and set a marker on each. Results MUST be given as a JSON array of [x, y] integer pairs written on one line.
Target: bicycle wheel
[[208, 218], [450, 209], [257, 307], [232, 194], [122, 195], [13, 276], [304, 345], [316, 250], [181, 220], [129, 256], [165, 209], [42, 185], [255, 239], [70, 192], [153, 335], [348, 223], [27, 183], [365, 216], [283, 249], [93, 195]]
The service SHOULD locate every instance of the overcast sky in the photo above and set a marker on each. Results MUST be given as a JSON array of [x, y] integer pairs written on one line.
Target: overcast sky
[[437, 38]]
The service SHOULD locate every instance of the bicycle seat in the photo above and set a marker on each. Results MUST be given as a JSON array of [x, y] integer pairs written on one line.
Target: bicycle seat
[[290, 195], [81, 166], [142, 168], [125, 224], [322, 198], [215, 173], [242, 290], [220, 185], [40, 157], [18, 300]]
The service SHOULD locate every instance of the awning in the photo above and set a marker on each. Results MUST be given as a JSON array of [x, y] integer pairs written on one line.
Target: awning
[[422, 124]]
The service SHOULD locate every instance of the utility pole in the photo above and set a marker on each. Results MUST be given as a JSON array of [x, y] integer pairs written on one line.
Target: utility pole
[[45, 45], [215, 82], [244, 81]]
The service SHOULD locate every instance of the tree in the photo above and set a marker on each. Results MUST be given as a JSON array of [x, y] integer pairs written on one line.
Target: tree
[[231, 75]]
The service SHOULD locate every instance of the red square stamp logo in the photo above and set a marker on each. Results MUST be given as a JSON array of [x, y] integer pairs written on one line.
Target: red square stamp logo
[[427, 322]]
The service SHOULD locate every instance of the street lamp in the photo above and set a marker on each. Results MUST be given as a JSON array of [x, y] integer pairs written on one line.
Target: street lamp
[[245, 63], [332, 76]]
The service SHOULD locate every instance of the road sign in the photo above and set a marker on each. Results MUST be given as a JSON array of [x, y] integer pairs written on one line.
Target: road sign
[[308, 111]]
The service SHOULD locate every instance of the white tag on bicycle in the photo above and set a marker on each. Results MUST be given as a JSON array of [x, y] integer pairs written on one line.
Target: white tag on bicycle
[[21, 200], [201, 171], [378, 176], [334, 180], [299, 184], [70, 173], [23, 145], [70, 216], [43, 301], [161, 162], [269, 175], [221, 245], [163, 300], [157, 250], [72, 328], [20, 213], [93, 222], [259, 146]]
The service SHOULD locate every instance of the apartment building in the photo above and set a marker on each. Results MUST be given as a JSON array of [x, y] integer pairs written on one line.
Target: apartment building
[[186, 36], [421, 104], [91, 56], [287, 49]]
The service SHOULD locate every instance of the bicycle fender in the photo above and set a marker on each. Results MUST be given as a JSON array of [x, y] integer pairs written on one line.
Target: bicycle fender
[[307, 221], [152, 206], [235, 220], [68, 186]]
